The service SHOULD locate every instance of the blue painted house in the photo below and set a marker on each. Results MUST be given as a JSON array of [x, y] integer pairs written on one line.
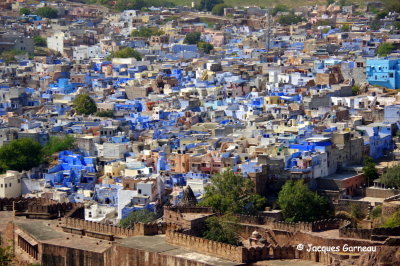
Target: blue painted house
[[384, 72]]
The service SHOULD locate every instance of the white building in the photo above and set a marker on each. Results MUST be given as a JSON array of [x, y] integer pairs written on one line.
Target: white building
[[99, 213], [56, 42], [10, 184]]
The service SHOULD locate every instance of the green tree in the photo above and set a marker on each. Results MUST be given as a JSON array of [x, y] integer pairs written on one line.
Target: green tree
[[40, 41], [106, 113], [391, 178], [342, 2], [207, 47], [147, 32], [381, 15], [369, 170], [375, 25], [126, 52], [140, 216], [192, 37], [356, 211], [84, 104], [6, 256], [232, 193], [20, 154], [46, 12], [279, 8], [218, 10], [10, 56], [392, 221], [355, 89], [57, 144], [396, 25], [298, 203], [376, 212], [208, 5], [222, 229], [345, 28], [385, 49], [25, 11], [290, 19]]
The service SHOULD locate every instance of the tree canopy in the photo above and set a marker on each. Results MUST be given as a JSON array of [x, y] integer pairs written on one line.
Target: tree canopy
[[369, 170], [385, 49], [230, 192], [46, 12], [192, 37], [40, 41], [20, 154], [392, 221], [298, 203], [208, 5], [392, 177], [25, 11], [207, 47], [222, 229], [84, 104], [126, 52], [218, 10], [287, 20], [106, 113], [147, 32], [140, 216], [57, 144]]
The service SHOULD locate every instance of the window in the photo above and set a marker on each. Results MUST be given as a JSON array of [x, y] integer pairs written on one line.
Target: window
[[390, 75], [139, 191], [1, 185], [5, 185], [10, 184]]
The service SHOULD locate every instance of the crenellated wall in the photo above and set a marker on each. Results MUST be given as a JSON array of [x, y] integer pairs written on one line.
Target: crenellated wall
[[375, 234], [244, 254], [112, 232]]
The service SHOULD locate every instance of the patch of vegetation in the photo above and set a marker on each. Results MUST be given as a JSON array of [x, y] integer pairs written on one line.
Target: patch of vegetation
[[140, 216], [20, 154], [57, 144], [385, 49], [376, 212], [25, 11], [207, 47], [298, 203], [391, 178], [232, 193], [147, 32], [370, 170], [40, 41], [192, 37], [392, 221], [291, 19], [218, 10], [106, 113], [47, 12], [208, 5], [222, 229], [126, 52], [84, 105]]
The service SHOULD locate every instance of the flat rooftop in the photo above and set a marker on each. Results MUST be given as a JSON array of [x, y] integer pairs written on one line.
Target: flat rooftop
[[340, 176], [48, 232], [158, 244]]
